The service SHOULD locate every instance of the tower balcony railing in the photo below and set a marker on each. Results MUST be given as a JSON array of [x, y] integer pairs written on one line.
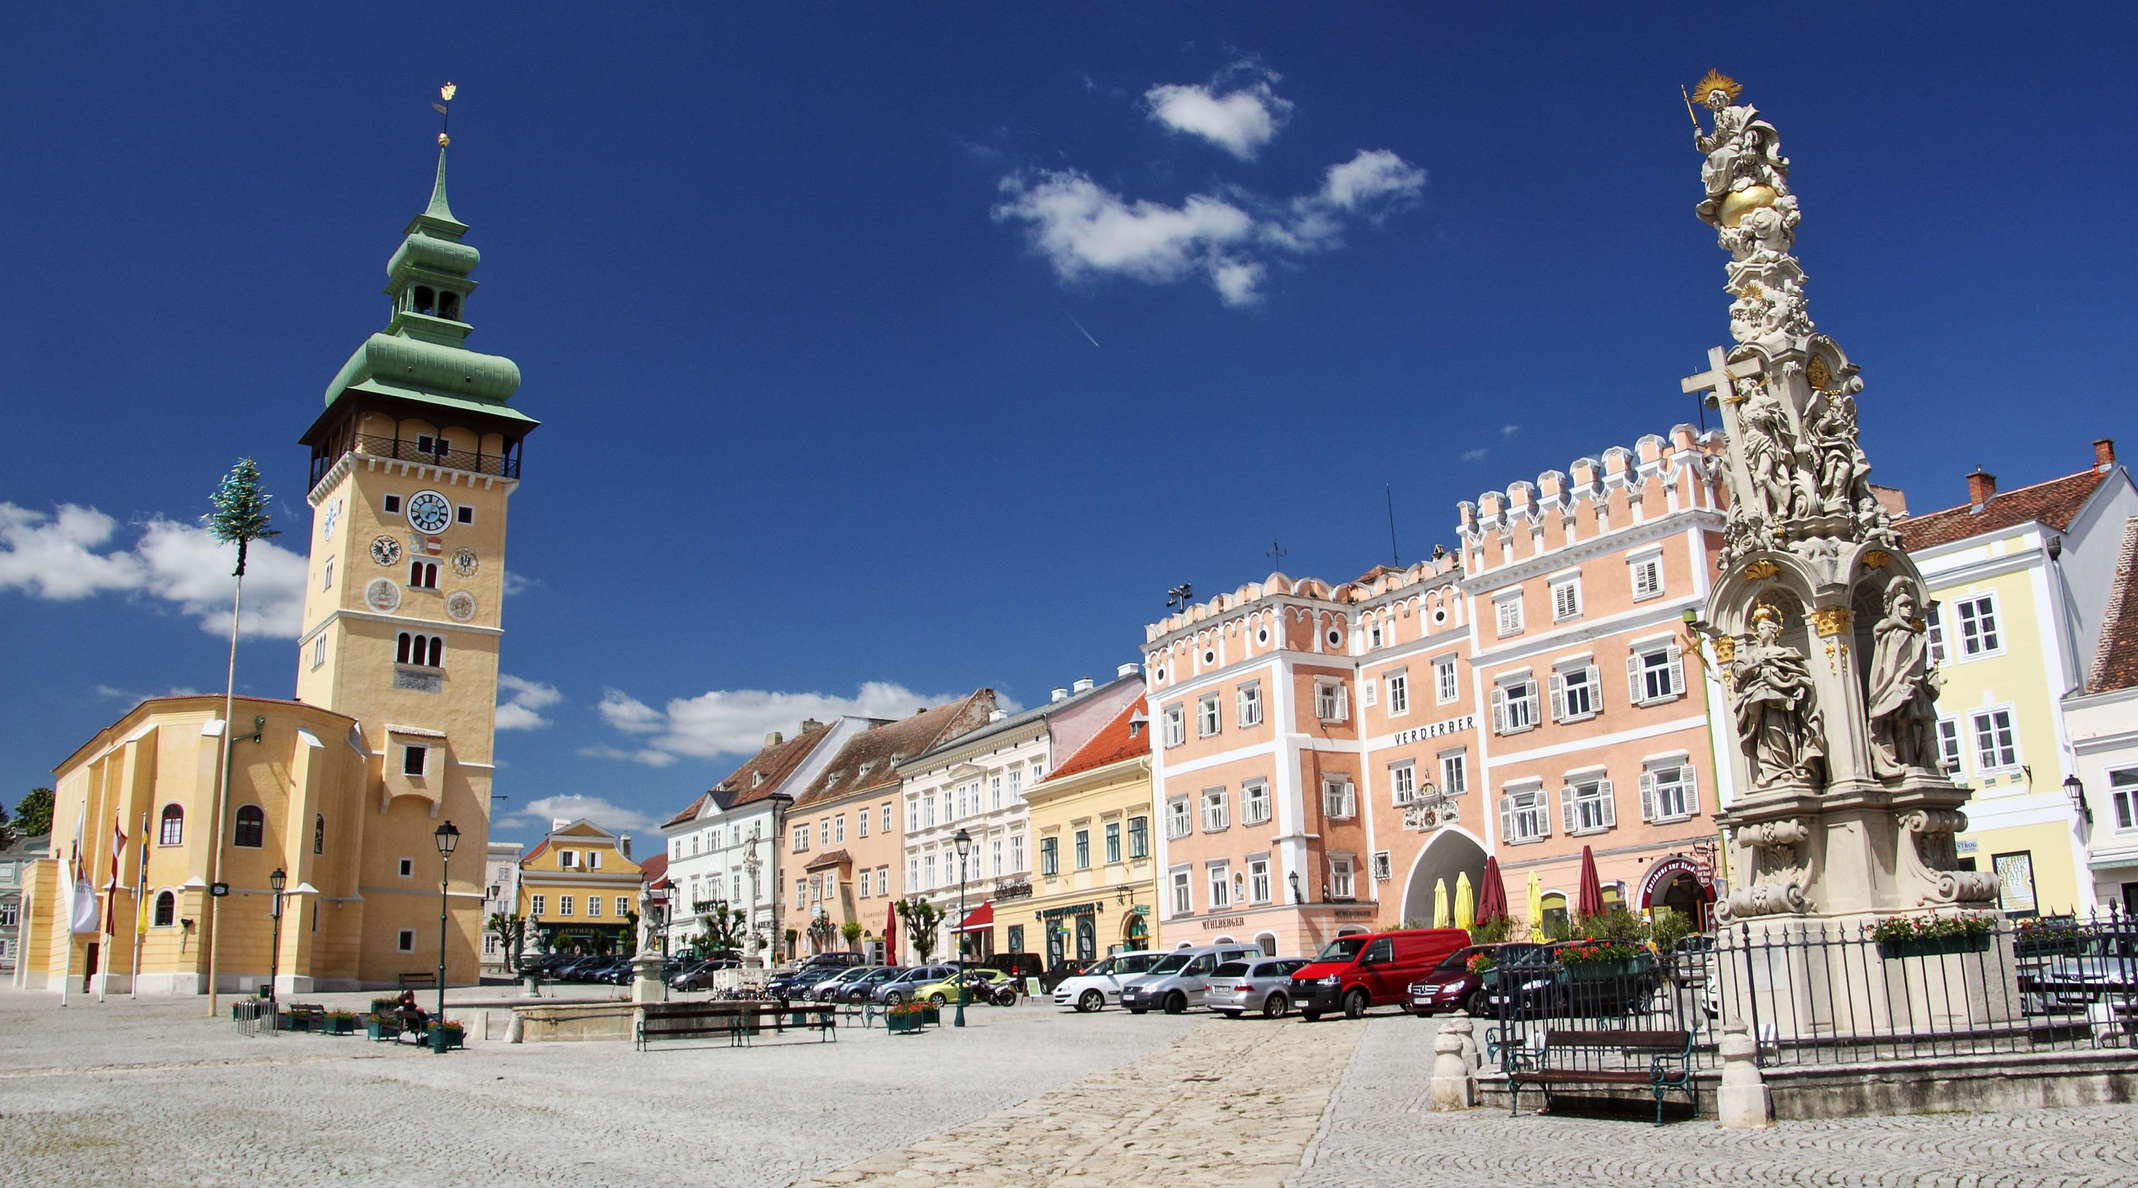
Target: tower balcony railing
[[504, 465]]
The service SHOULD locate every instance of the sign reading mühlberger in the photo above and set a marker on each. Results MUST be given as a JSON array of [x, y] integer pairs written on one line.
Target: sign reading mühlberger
[[1216, 922]]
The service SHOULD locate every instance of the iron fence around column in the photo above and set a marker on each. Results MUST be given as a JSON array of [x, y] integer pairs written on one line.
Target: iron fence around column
[[1813, 993]]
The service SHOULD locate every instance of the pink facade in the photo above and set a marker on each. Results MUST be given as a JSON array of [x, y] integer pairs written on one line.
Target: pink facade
[[1326, 757]]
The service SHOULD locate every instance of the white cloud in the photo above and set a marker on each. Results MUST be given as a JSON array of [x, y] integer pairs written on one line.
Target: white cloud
[[1509, 430], [1229, 239], [134, 695], [68, 554], [736, 721], [607, 814], [1476, 455], [522, 709], [516, 583], [1374, 176], [1240, 120]]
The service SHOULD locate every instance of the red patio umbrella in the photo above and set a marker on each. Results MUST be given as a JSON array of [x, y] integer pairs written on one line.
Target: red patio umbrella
[[890, 934], [1590, 900], [1492, 896]]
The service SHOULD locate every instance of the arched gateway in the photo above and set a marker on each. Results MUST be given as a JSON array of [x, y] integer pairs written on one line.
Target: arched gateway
[[1450, 854]]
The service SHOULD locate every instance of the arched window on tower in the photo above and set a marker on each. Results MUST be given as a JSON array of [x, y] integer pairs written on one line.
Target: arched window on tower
[[319, 834], [171, 826], [423, 575], [166, 910], [251, 825], [423, 300], [412, 648]]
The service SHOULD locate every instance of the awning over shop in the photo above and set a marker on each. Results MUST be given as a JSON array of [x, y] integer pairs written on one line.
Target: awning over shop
[[979, 919]]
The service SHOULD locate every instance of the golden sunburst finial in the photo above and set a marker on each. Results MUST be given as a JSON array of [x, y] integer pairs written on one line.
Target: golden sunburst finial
[[1766, 612], [1716, 80]]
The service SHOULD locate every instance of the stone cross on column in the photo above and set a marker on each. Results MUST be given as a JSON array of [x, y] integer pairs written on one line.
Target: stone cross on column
[[1719, 376]]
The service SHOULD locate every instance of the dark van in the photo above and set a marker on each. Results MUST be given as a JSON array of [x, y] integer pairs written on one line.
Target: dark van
[[1370, 969]]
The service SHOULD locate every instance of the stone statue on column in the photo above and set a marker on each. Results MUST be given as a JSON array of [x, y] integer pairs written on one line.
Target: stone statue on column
[[1778, 721], [1903, 695]]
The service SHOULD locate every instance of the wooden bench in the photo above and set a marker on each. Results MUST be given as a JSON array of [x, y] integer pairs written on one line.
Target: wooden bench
[[305, 1016], [1669, 1056], [738, 1021], [427, 980]]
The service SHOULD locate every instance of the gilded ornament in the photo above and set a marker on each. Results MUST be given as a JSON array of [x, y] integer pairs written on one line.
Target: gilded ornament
[[1817, 372], [1877, 559], [1830, 621], [1725, 649], [1715, 80], [1760, 571]]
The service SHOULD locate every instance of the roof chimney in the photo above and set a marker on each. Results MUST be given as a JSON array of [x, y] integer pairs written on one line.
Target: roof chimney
[[1127, 670], [623, 842], [1083, 685], [809, 724], [997, 715], [1059, 694], [1981, 486], [774, 739], [2104, 453]]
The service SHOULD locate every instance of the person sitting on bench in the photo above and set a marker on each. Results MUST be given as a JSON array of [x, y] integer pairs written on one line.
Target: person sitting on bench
[[413, 1017]]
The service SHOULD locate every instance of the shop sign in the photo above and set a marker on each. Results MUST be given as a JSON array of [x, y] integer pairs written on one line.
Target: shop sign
[[1216, 922], [1436, 729]]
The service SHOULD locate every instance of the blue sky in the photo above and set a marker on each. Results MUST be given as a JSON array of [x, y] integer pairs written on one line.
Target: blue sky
[[885, 351]]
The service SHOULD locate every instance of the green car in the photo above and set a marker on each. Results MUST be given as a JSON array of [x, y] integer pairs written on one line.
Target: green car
[[982, 983]]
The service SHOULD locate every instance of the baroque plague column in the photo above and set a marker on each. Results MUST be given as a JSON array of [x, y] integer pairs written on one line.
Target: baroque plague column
[[1816, 619]]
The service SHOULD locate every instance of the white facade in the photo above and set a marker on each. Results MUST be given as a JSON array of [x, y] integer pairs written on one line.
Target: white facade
[[501, 896], [2104, 741]]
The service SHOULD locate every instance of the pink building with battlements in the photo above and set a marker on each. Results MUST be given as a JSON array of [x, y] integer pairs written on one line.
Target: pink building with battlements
[[1327, 756]]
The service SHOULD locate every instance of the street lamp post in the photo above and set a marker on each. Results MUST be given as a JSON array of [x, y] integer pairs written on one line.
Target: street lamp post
[[659, 898], [447, 838], [277, 881], [963, 841]]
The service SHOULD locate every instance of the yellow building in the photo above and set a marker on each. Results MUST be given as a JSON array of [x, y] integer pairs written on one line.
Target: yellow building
[[412, 462], [1095, 881], [579, 889], [2019, 582]]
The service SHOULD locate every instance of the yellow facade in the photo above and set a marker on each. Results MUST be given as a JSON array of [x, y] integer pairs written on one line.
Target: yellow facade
[[1105, 902], [2019, 812], [579, 890]]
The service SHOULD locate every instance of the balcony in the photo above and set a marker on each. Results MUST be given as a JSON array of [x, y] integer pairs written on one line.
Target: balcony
[[504, 465]]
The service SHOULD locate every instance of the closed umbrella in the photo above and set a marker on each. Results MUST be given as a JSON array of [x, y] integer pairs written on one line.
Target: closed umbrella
[[1590, 902], [890, 935], [1536, 905], [1440, 904], [1492, 897], [1465, 901]]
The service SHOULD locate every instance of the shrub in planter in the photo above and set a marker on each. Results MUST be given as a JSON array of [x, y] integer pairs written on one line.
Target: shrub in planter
[[1599, 958], [341, 1022], [446, 1036], [382, 1025], [385, 1006], [2047, 937], [906, 1018]]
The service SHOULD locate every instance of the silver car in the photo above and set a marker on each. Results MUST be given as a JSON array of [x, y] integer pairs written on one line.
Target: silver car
[[829, 989], [1178, 980], [1237, 987]]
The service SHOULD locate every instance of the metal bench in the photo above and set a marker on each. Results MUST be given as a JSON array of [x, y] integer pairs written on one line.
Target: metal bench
[[740, 1022], [1668, 1053], [427, 980]]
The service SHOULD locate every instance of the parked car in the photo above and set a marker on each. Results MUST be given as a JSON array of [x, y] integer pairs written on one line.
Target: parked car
[[1450, 985], [1017, 965], [829, 989], [1177, 980], [1059, 971], [837, 959], [575, 969], [861, 988], [1100, 985], [2102, 971], [897, 990], [1540, 986], [1265, 985], [981, 984], [700, 975], [1370, 969]]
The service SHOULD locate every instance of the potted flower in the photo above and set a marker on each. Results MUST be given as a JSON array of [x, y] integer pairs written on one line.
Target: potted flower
[[1594, 958], [446, 1035], [1480, 963], [2056, 937], [382, 1025], [907, 1018], [1932, 936], [341, 1023]]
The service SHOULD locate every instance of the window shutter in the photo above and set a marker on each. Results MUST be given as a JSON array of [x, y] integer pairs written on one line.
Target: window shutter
[[1566, 808], [1558, 697], [1648, 809], [1595, 690], [1691, 778], [1507, 817], [1633, 679], [1610, 803], [1677, 671], [1499, 709]]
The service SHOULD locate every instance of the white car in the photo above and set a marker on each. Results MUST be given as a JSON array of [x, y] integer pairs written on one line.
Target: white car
[[1100, 986]]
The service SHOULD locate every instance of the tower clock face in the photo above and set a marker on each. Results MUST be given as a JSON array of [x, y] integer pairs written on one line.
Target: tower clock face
[[465, 563], [327, 521], [385, 550], [429, 512]]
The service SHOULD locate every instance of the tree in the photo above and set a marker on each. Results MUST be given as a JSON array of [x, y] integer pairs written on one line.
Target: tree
[[33, 813], [921, 919], [240, 517], [510, 932], [851, 930], [725, 929], [8, 836]]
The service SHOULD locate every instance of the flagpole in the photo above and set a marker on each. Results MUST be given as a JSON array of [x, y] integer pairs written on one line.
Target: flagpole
[[66, 928], [133, 984]]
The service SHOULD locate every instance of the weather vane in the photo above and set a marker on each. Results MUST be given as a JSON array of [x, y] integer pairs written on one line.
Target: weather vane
[[1277, 554], [445, 96]]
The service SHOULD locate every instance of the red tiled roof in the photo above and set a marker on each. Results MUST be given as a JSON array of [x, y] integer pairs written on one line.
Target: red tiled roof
[[759, 775], [2055, 503], [2115, 661], [1126, 737], [654, 871], [870, 759]]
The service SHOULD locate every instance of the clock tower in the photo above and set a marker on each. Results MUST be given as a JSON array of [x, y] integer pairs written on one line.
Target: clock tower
[[413, 463]]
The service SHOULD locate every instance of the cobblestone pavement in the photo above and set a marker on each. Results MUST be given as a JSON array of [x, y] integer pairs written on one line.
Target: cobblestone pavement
[[1234, 1102], [1378, 1131], [157, 1092]]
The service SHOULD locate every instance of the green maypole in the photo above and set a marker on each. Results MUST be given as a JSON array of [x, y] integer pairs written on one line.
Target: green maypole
[[241, 517]]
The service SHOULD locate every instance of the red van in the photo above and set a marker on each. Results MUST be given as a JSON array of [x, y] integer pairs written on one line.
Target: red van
[[1370, 969]]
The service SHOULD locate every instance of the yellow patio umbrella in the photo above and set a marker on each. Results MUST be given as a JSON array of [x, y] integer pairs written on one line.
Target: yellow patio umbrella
[[1465, 901], [1440, 904], [1536, 905]]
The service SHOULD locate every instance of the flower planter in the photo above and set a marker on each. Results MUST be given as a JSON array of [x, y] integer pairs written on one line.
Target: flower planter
[[2065, 946], [1933, 946], [932, 1016], [340, 1026], [284, 1021], [1596, 971], [902, 1024], [445, 1038], [382, 1027]]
